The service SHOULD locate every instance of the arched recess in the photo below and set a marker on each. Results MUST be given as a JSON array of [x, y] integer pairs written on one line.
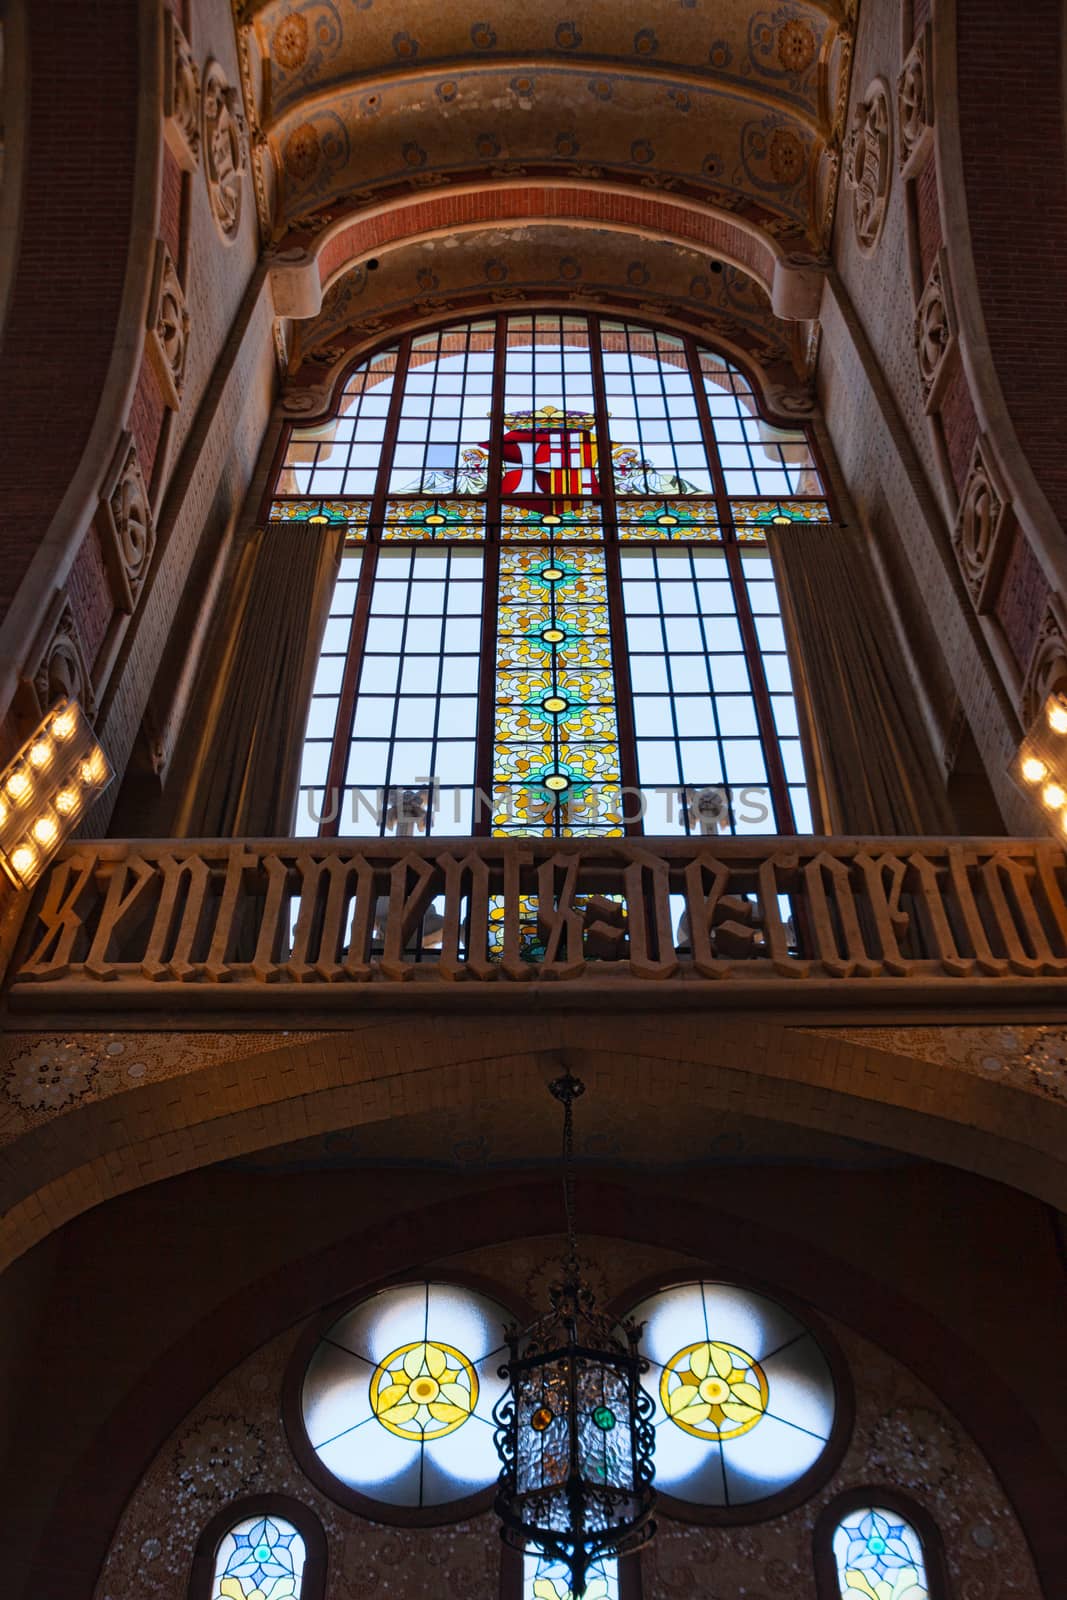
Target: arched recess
[[101, 1482], [933, 1550], [639, 1065], [302, 1518], [103, 74]]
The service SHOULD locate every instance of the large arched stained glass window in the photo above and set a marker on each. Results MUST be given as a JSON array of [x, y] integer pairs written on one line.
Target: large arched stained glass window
[[556, 612]]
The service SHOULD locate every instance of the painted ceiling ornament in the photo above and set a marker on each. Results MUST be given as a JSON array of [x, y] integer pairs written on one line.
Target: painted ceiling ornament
[[797, 45], [225, 148], [289, 46], [302, 152], [868, 170]]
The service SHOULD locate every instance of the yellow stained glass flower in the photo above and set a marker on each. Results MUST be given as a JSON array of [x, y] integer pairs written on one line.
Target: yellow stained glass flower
[[714, 1390], [558, 1589], [424, 1390]]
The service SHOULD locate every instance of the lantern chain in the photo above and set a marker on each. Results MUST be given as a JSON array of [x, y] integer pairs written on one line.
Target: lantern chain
[[567, 1089]]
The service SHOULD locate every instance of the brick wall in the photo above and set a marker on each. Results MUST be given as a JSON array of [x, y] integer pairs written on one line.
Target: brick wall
[[81, 145], [1012, 132], [1022, 598]]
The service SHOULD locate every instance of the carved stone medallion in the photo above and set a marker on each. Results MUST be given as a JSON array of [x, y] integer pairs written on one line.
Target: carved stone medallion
[[127, 527], [915, 107], [168, 328], [935, 333], [983, 511], [57, 668], [868, 167], [225, 148], [181, 96], [1047, 672]]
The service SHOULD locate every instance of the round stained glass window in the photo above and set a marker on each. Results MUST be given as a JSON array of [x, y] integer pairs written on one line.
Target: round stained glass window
[[744, 1394], [397, 1399]]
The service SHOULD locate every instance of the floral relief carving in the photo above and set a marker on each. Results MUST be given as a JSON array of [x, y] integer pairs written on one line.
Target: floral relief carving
[[915, 106], [168, 328], [935, 333], [1047, 672], [225, 148], [867, 168], [127, 526], [57, 668], [181, 96], [980, 523]]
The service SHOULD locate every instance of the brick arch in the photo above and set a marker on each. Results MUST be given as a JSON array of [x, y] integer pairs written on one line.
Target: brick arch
[[99, 1485], [393, 1070], [78, 297]]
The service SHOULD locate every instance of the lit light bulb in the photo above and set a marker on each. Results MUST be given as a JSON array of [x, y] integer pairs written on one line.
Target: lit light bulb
[[67, 802], [1033, 769], [46, 831], [40, 754], [1054, 796], [1057, 719], [18, 786], [64, 725], [23, 859]]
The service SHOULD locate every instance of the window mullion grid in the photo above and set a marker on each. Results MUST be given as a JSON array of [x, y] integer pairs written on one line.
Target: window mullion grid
[[482, 815], [346, 707], [772, 753], [620, 651]]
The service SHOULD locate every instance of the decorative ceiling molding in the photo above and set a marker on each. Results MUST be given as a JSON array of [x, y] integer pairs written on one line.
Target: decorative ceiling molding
[[302, 271]]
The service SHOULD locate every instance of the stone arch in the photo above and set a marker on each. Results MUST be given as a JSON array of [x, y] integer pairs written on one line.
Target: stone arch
[[392, 1071], [100, 1483]]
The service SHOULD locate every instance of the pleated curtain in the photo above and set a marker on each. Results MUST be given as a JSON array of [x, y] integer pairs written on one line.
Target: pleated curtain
[[248, 768], [878, 773]]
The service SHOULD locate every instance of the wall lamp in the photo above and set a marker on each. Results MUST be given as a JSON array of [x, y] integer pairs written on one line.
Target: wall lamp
[[1041, 763], [47, 789]]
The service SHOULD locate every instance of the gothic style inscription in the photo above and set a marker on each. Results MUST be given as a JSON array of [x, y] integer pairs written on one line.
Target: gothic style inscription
[[868, 168], [225, 148], [320, 925]]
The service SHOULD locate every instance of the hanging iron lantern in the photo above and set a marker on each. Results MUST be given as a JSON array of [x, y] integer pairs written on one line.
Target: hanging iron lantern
[[574, 1429]]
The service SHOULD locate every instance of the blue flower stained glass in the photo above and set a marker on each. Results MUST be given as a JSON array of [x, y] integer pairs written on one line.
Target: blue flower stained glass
[[879, 1557], [261, 1558]]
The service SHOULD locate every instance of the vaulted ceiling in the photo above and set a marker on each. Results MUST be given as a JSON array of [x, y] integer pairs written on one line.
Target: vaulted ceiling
[[715, 108]]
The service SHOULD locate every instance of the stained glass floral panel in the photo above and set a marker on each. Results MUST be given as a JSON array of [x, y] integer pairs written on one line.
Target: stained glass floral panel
[[879, 1556], [544, 1578], [397, 1400], [261, 1558], [759, 515], [556, 751], [434, 519]]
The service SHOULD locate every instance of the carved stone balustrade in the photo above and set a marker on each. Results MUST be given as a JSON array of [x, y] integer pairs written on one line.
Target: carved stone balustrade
[[325, 928]]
